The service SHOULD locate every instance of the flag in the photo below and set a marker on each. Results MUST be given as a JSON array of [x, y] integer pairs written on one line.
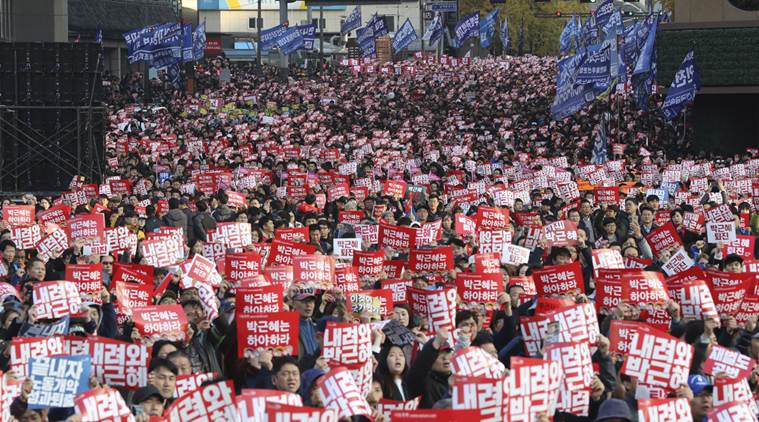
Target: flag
[[487, 28], [187, 55], [600, 151], [199, 41], [166, 47], [683, 89], [596, 68], [175, 75], [467, 27], [352, 22], [365, 38], [505, 33], [269, 36], [308, 32], [405, 35], [290, 40], [645, 68], [604, 12], [99, 35], [378, 26], [565, 40], [570, 98], [435, 30], [614, 25], [520, 46]]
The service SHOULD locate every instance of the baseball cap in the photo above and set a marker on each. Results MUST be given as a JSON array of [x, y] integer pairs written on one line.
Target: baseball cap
[[698, 383], [303, 292], [614, 409], [145, 393]]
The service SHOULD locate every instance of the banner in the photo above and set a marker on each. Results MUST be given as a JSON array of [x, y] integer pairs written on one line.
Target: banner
[[269, 36], [339, 392], [559, 279], [434, 30], [534, 386], [682, 91], [368, 264], [487, 28], [473, 361], [242, 266], [118, 363], [353, 21], [57, 380], [658, 360], [577, 367], [278, 331], [663, 238], [431, 260], [314, 270], [720, 232], [467, 27], [560, 233], [347, 343], [480, 393], [727, 362], [595, 69], [88, 279], [160, 322], [290, 41], [405, 35], [18, 215], [365, 38], [664, 410], [308, 32], [211, 402], [396, 237], [479, 288], [55, 299], [101, 404]]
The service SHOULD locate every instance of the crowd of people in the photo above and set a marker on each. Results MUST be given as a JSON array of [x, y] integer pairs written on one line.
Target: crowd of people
[[458, 162]]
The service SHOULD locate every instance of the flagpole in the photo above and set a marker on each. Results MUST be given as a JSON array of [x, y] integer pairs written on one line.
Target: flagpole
[[421, 24]]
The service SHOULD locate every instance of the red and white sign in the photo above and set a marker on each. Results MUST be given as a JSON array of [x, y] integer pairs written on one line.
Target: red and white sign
[[439, 307], [233, 235], [118, 363], [576, 323], [24, 349], [733, 411], [347, 343], [577, 367], [295, 234], [18, 215], [431, 260], [201, 269], [559, 279], [514, 255], [316, 270], [162, 252], [242, 266], [475, 362], [663, 238], [88, 279], [693, 222], [26, 237], [189, 383], [695, 301], [386, 406], [607, 259], [278, 331], [344, 248], [607, 196], [727, 362], [88, 227], [664, 410], [368, 264], [259, 300], [251, 403], [479, 288], [55, 299], [369, 233], [560, 233], [720, 214], [742, 246], [658, 360], [211, 402], [57, 214], [160, 321], [489, 218], [677, 263], [643, 287], [480, 393], [283, 252], [399, 288], [53, 245], [338, 391], [720, 232], [438, 415], [493, 241], [396, 188], [464, 225], [396, 237], [533, 388], [286, 412], [102, 404]]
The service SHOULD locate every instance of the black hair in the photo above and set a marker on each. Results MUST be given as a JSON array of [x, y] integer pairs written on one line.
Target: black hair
[[280, 361], [157, 363]]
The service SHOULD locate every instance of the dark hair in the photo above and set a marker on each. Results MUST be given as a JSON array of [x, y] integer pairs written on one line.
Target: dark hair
[[483, 337], [159, 344], [280, 361], [173, 203], [465, 315], [179, 353], [5, 243], [202, 205], [157, 363], [383, 372]]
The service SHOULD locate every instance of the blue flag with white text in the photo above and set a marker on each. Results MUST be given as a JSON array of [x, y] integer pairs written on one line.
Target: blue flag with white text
[[644, 71], [308, 32], [269, 36], [595, 69], [565, 40], [683, 89], [435, 30], [199, 41], [187, 55], [604, 12], [353, 21], [379, 27], [405, 35], [290, 41], [365, 38], [487, 28], [600, 152], [467, 27]]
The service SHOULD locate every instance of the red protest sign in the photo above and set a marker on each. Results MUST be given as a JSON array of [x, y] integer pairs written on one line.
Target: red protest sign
[[118, 363], [26, 237], [396, 188], [189, 383], [23, 349], [534, 388], [102, 404], [606, 196], [577, 367], [472, 361], [480, 393], [18, 215], [242, 266], [663, 238], [210, 402], [162, 252], [431, 260], [52, 245], [339, 391], [693, 222], [88, 279], [660, 410], [282, 252], [464, 225], [259, 300], [437, 415], [368, 264], [135, 273], [607, 259], [57, 214], [399, 288], [201, 268], [233, 235], [728, 290], [733, 411], [88, 227], [479, 288], [658, 360], [621, 334], [317, 270], [346, 278], [720, 214], [487, 263], [278, 331], [695, 300], [559, 279], [297, 234], [742, 246], [727, 362], [350, 217], [369, 233], [160, 322], [373, 302], [438, 306], [55, 299], [394, 268], [251, 403], [644, 288], [560, 233], [490, 218], [285, 412], [347, 343], [396, 237]]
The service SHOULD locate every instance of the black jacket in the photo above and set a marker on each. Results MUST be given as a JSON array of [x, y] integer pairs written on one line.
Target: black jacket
[[421, 380]]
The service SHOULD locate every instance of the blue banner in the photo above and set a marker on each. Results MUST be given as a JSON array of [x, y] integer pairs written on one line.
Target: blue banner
[[175, 74], [630, 46], [568, 70], [603, 12], [645, 58], [468, 26], [589, 32], [269, 36], [199, 41], [683, 89], [565, 40], [405, 36], [353, 21], [570, 98], [187, 55], [168, 45], [487, 28], [600, 152], [595, 69], [614, 25], [435, 30], [57, 380], [308, 32], [505, 32], [290, 41], [365, 38], [378, 26]]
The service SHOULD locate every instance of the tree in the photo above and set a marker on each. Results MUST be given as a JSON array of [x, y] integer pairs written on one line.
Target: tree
[[540, 32]]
